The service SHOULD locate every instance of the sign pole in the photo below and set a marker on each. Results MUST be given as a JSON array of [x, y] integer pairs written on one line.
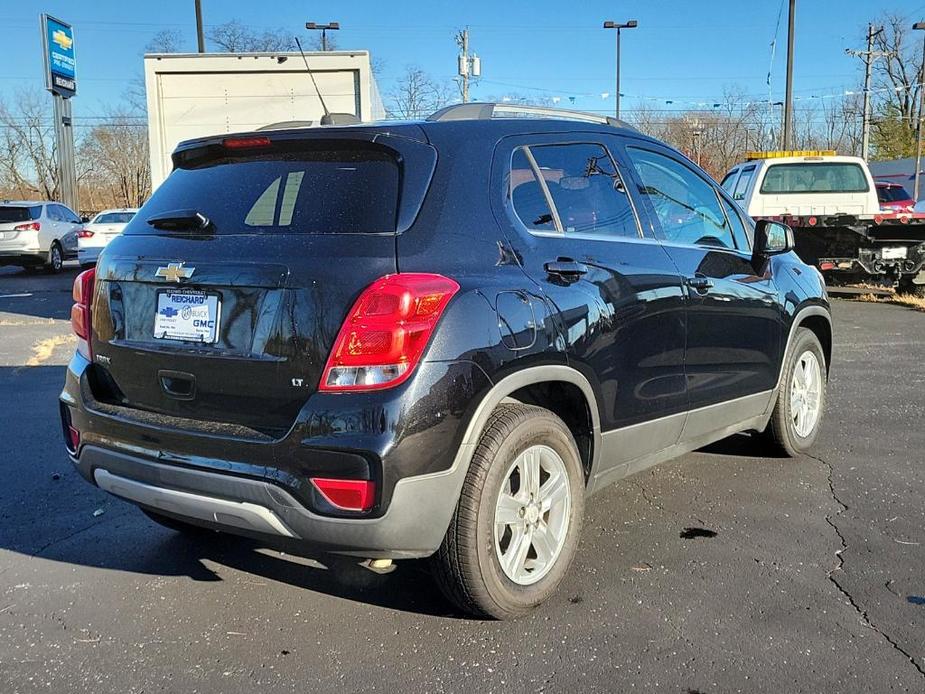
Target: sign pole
[[64, 140]]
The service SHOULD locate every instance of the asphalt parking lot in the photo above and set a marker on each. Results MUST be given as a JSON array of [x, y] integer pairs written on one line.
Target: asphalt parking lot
[[814, 580]]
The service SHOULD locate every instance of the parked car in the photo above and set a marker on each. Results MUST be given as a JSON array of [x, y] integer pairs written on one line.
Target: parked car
[[434, 339], [37, 234], [893, 197], [103, 228]]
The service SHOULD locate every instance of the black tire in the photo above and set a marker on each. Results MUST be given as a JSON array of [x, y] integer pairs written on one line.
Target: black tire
[[55, 259], [177, 525], [916, 290], [466, 566], [781, 432]]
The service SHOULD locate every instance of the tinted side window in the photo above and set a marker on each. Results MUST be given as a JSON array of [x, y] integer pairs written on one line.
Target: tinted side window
[[742, 184], [586, 189], [68, 215], [742, 234], [527, 196], [52, 212], [687, 207]]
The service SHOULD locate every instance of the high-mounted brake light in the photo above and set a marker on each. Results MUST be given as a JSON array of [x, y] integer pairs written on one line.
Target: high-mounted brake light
[[347, 495], [385, 333], [245, 142], [80, 311], [31, 226]]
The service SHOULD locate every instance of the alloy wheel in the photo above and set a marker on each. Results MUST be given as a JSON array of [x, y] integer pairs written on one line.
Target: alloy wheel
[[532, 515], [805, 394]]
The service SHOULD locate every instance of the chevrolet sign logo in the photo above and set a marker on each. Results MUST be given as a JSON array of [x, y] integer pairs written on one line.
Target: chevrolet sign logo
[[174, 272], [62, 39]]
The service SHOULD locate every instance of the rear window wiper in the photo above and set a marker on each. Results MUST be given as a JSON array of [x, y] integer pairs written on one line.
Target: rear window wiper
[[179, 219]]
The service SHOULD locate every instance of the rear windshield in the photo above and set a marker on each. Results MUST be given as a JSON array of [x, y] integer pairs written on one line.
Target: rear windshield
[[812, 177], [892, 194], [329, 191], [11, 213], [113, 218]]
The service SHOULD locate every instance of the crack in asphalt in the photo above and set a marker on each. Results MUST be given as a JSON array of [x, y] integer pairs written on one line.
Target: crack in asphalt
[[645, 495], [862, 613], [65, 538]]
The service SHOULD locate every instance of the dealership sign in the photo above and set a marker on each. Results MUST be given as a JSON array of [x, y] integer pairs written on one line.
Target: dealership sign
[[60, 64]]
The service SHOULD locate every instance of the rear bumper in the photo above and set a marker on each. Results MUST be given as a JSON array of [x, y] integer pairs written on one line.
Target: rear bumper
[[88, 254], [413, 525], [15, 257], [261, 487]]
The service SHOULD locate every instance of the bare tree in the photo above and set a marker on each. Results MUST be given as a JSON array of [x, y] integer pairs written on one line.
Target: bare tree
[[897, 88], [417, 95], [235, 37], [28, 164], [317, 44], [116, 171], [166, 41]]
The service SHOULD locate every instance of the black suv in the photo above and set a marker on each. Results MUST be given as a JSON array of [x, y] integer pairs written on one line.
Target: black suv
[[434, 339]]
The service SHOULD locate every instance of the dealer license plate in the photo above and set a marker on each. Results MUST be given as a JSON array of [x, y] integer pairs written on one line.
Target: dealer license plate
[[187, 314], [893, 253]]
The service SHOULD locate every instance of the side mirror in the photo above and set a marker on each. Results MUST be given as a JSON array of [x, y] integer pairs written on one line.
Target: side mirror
[[772, 238], [84, 220]]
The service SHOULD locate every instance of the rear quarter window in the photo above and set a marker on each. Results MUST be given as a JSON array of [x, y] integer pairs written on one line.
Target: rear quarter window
[[325, 191]]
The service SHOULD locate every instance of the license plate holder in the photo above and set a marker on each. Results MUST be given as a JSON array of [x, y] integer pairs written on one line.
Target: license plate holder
[[187, 315]]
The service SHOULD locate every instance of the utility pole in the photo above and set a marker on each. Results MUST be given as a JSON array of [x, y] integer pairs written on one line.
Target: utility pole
[[631, 24], [467, 66], [868, 56], [788, 99], [200, 38], [919, 26]]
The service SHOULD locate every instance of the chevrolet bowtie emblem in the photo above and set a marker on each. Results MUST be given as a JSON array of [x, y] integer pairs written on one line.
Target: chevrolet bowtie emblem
[[174, 272]]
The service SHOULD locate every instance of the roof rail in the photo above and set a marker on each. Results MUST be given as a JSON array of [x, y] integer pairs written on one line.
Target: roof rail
[[486, 111]]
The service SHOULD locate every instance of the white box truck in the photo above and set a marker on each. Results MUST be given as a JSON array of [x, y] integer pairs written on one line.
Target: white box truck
[[201, 94]]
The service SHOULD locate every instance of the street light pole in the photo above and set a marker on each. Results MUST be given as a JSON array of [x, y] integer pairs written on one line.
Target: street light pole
[[631, 24], [918, 125], [323, 28]]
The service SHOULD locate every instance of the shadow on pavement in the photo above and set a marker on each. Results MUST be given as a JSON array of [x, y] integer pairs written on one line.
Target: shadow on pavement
[[742, 446], [48, 510], [37, 294]]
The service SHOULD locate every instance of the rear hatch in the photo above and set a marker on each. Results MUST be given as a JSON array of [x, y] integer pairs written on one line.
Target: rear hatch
[[223, 296], [22, 216]]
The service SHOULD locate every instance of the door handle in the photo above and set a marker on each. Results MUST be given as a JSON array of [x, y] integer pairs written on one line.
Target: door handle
[[699, 283], [566, 267]]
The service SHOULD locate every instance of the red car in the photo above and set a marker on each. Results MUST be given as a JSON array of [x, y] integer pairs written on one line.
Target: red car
[[893, 197]]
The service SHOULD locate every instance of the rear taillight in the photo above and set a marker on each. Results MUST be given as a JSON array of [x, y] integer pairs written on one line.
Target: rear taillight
[[31, 226], [347, 495], [80, 311], [386, 331], [84, 234]]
